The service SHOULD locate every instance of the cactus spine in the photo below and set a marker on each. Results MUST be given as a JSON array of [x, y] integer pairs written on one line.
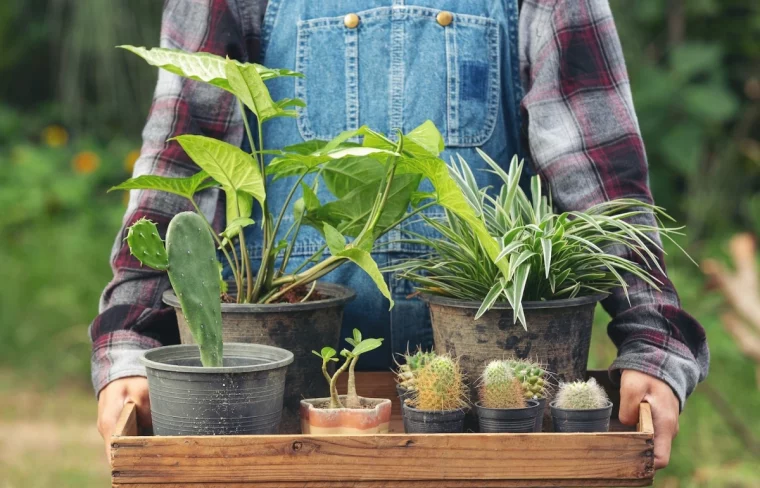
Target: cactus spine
[[581, 395], [500, 388], [412, 364], [440, 386], [146, 245], [532, 376]]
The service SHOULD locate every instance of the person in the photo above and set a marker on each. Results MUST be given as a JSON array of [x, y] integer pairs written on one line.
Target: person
[[545, 80]]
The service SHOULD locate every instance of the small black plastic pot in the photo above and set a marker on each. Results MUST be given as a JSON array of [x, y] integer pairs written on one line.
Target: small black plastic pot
[[432, 422], [403, 394], [539, 427], [242, 397], [515, 420], [594, 420]]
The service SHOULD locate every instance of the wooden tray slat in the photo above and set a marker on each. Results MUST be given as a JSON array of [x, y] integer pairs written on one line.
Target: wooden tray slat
[[440, 460]]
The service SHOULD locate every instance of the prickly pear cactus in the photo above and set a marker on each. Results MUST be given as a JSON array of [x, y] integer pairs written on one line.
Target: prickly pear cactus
[[194, 274], [412, 363], [581, 395], [532, 376], [500, 388], [440, 386], [146, 245]]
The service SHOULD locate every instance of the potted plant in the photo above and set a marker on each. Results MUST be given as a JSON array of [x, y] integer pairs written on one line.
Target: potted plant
[[550, 271], [347, 414], [439, 399], [406, 371], [208, 388], [268, 304], [503, 406], [581, 406], [535, 383]]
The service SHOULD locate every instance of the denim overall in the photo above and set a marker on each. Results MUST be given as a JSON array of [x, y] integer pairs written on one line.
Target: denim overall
[[399, 66]]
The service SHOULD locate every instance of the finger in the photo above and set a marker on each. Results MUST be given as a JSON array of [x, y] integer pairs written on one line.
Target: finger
[[631, 394], [107, 419], [665, 424]]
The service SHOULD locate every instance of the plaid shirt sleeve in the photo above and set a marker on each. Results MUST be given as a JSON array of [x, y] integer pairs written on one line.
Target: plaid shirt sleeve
[[131, 316], [585, 142]]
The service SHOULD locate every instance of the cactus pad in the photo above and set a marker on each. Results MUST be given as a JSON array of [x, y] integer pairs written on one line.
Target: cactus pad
[[581, 395], [500, 388], [194, 274], [146, 245], [440, 386]]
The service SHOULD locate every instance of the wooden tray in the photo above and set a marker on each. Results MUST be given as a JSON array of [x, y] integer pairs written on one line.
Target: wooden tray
[[618, 458]]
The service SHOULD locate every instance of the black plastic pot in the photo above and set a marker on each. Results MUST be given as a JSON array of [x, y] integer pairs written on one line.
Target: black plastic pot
[[432, 422], [242, 397], [297, 327], [515, 420], [596, 420], [403, 395], [539, 427]]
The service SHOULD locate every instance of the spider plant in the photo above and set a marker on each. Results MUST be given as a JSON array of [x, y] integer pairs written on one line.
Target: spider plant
[[548, 255]]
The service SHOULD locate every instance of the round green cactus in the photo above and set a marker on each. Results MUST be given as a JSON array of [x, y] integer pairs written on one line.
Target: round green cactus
[[440, 385], [581, 395], [500, 388], [532, 376]]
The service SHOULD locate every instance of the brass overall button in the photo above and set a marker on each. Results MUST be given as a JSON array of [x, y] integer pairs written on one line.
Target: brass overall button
[[351, 21], [444, 17]]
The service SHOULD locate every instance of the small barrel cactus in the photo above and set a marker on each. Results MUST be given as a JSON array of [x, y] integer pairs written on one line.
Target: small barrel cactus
[[532, 375], [581, 395], [500, 388], [412, 363], [440, 386]]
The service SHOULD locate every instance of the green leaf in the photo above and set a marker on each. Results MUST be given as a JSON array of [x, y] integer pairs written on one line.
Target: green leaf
[[493, 294], [424, 140], [205, 67], [546, 246], [344, 175], [364, 260], [233, 168], [184, 187], [234, 227], [310, 199], [327, 354], [336, 242], [357, 335], [246, 83], [366, 345], [715, 103]]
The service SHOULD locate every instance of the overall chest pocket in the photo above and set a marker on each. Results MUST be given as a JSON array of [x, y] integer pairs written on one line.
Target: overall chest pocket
[[397, 67]]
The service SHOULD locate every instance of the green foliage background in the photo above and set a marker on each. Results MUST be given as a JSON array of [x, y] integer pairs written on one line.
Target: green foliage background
[[695, 72]]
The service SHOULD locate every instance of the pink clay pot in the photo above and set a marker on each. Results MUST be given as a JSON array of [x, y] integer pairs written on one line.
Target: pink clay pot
[[375, 418]]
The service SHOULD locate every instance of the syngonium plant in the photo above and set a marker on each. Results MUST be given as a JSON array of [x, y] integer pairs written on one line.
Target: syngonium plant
[[375, 185], [547, 255], [328, 355]]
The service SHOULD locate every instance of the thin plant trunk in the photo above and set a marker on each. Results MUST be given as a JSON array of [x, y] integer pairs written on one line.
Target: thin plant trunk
[[352, 399], [334, 399]]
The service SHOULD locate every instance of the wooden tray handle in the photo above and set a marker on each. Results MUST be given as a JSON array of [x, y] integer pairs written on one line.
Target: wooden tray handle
[[127, 423], [645, 419]]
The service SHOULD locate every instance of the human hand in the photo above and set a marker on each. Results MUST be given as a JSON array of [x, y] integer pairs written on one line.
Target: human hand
[[111, 402], [637, 387]]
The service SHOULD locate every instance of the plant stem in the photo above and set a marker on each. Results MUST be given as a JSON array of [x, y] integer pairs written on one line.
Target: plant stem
[[334, 399], [312, 274], [266, 268], [352, 399]]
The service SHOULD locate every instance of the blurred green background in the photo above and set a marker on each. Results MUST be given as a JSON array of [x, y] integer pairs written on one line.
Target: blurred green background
[[71, 112]]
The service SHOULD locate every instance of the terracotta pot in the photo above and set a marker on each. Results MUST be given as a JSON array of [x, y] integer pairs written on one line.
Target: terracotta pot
[[298, 327], [374, 418]]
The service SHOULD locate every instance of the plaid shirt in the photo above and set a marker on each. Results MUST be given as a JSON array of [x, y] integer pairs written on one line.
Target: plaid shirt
[[579, 123]]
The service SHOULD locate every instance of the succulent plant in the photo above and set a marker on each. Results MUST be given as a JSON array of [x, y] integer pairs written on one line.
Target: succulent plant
[[190, 259], [581, 395], [440, 385], [412, 363], [500, 388], [532, 376]]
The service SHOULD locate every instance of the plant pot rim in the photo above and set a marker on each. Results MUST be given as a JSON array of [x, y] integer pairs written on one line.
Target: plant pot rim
[[231, 349], [561, 303], [571, 410], [337, 295], [441, 412], [378, 402], [533, 404]]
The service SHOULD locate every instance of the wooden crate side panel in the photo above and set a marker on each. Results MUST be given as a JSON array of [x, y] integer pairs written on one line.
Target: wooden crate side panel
[[571, 483], [382, 458]]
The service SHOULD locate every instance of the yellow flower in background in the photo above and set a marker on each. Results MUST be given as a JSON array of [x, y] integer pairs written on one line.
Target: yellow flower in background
[[55, 136], [131, 159], [85, 162]]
